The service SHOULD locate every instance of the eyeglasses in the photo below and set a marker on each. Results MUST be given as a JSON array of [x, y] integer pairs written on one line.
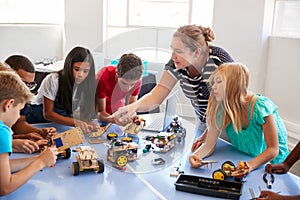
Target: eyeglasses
[[31, 85]]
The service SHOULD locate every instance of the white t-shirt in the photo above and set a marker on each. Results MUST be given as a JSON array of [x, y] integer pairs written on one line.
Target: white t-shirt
[[48, 88]]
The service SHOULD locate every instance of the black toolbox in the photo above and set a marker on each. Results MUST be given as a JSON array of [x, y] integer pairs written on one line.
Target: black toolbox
[[209, 186]]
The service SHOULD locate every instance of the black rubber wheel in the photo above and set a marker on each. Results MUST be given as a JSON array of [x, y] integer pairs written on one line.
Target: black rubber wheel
[[101, 166], [75, 168], [67, 153]]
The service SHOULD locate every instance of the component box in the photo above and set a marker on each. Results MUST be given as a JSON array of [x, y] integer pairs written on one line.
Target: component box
[[209, 186]]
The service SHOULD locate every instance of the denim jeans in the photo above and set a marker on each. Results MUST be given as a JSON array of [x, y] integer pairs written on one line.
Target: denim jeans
[[35, 114]]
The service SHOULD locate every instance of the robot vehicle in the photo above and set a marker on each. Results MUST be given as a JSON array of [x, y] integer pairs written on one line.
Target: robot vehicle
[[87, 159]]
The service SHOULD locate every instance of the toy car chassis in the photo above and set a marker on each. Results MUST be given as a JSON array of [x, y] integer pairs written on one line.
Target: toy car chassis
[[87, 159], [63, 141], [99, 132], [120, 152]]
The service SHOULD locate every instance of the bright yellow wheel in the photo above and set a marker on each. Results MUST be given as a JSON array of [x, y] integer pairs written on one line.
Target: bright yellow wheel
[[111, 136], [219, 175], [121, 161], [228, 166], [127, 139]]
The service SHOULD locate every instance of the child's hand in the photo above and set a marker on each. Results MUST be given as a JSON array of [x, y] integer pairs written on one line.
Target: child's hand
[[42, 143], [269, 195], [280, 168], [33, 136], [85, 127], [30, 136], [47, 133], [199, 141], [24, 146], [48, 156], [94, 124], [195, 161]]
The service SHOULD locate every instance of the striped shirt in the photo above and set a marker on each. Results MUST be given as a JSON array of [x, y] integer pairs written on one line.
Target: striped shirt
[[221, 54], [196, 89]]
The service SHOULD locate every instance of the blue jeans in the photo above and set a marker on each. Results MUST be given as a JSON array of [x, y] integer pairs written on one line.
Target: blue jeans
[[35, 114]]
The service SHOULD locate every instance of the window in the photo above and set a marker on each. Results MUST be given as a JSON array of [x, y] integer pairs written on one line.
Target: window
[[20, 11], [287, 18], [153, 16], [165, 13]]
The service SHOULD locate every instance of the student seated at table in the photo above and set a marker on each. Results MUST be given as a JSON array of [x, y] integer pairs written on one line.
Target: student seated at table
[[282, 168], [251, 121], [116, 83], [26, 137], [68, 96], [13, 96]]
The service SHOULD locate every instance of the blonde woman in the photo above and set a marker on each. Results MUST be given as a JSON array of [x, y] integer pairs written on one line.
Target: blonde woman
[[251, 121]]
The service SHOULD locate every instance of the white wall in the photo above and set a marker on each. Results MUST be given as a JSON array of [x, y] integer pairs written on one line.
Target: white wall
[[83, 24], [244, 29], [34, 41], [282, 81]]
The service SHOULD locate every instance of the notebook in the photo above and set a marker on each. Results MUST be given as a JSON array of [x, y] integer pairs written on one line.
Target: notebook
[[162, 122]]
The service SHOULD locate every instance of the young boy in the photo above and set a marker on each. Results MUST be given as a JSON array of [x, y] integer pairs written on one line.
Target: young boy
[[116, 83], [27, 138], [13, 96]]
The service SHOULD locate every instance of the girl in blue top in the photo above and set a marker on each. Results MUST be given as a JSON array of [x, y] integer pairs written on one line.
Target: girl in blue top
[[250, 121]]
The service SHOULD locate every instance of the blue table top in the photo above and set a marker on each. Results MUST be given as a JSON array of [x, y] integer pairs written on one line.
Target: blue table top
[[141, 180]]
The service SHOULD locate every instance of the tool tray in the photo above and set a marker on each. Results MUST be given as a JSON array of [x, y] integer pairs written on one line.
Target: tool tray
[[208, 186]]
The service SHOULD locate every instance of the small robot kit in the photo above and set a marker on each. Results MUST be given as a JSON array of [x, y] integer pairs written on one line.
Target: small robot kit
[[161, 142], [120, 151], [87, 159], [63, 141], [177, 128], [135, 126], [209, 186], [229, 169]]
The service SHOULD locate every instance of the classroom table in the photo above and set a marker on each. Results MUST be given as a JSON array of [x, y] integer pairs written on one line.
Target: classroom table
[[142, 179]]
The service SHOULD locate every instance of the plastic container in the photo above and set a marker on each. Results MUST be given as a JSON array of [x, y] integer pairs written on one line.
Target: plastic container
[[209, 186]]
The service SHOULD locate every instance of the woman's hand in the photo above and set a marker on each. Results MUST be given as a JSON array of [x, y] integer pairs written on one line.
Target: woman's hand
[[195, 161], [124, 115]]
